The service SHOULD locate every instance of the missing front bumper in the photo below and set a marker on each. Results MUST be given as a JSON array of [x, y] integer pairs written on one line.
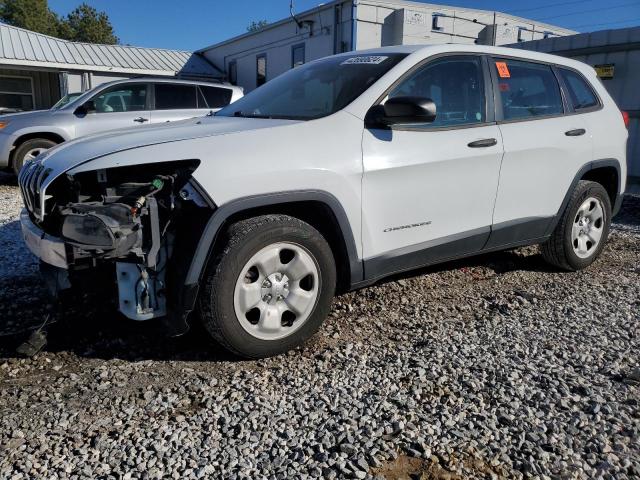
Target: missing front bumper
[[50, 250]]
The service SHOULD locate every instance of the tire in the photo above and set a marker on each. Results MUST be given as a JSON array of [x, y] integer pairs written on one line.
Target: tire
[[572, 245], [28, 150], [254, 264]]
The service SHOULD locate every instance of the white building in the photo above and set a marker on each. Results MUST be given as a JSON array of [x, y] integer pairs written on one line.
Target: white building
[[344, 25]]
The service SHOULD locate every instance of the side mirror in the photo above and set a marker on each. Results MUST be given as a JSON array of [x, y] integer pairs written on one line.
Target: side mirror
[[402, 110], [87, 107]]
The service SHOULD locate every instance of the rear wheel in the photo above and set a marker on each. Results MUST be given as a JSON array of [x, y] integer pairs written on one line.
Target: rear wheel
[[583, 229], [270, 288], [29, 150]]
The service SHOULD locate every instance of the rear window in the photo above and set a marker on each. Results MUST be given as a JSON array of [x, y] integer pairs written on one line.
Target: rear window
[[527, 89], [174, 97], [580, 92], [215, 97]]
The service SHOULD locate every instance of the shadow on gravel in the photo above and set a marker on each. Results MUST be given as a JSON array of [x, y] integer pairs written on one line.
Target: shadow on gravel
[[7, 178], [108, 335], [629, 214], [91, 327]]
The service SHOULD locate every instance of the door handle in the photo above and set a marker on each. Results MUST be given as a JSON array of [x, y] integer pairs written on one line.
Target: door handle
[[140, 120], [487, 142], [575, 133]]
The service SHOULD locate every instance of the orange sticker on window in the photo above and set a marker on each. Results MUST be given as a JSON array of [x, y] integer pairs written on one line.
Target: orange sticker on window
[[503, 70]]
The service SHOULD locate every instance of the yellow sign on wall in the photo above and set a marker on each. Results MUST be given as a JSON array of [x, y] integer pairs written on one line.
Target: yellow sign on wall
[[605, 71]]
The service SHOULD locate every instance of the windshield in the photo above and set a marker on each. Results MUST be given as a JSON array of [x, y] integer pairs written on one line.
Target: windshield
[[68, 98], [314, 90]]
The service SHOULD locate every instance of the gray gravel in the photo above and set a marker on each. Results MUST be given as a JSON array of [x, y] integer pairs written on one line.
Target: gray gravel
[[495, 367], [15, 260]]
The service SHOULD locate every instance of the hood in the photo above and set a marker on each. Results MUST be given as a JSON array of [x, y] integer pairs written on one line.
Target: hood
[[22, 118], [76, 152]]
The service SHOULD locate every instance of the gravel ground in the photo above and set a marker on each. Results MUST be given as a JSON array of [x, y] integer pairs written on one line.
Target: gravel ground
[[495, 367]]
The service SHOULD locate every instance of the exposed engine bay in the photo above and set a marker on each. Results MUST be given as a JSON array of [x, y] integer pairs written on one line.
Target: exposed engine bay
[[133, 220]]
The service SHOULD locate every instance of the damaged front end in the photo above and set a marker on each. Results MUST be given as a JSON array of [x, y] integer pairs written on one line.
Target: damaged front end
[[139, 222]]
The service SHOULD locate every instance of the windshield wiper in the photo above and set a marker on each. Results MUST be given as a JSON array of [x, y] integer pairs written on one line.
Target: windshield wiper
[[242, 114]]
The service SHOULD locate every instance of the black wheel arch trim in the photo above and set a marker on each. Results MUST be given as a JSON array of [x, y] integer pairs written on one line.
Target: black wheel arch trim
[[224, 212], [615, 204]]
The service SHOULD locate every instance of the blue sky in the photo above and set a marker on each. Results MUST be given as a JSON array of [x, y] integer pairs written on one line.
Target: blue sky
[[192, 24]]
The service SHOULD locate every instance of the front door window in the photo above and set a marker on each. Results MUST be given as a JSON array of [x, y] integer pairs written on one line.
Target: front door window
[[456, 86], [121, 98]]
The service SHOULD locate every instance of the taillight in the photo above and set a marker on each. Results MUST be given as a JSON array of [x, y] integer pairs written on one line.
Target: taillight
[[625, 117]]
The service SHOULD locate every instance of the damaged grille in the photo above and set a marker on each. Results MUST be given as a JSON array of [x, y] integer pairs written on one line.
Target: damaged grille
[[31, 179]]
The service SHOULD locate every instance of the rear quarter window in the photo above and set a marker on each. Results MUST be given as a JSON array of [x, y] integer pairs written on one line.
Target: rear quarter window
[[215, 97], [581, 94], [527, 89]]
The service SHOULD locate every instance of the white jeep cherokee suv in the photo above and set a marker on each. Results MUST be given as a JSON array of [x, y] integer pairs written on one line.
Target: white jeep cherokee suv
[[329, 177]]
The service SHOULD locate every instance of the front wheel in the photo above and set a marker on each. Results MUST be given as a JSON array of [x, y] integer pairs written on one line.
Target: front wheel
[[270, 287], [29, 150], [583, 229]]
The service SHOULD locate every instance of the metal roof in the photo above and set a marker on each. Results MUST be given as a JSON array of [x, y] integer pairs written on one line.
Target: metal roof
[[20, 47]]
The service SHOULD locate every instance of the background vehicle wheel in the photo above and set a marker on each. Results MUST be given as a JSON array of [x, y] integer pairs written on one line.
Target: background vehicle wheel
[[270, 287], [582, 230], [29, 150]]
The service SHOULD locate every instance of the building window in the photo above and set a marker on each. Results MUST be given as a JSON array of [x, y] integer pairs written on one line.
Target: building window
[[337, 21], [521, 34], [16, 93], [436, 22], [261, 69], [297, 55], [233, 72]]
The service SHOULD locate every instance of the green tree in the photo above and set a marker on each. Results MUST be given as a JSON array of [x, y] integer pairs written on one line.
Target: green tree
[[86, 24], [30, 14], [255, 26]]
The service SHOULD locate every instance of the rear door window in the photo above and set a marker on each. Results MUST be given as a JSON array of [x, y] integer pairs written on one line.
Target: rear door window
[[175, 97], [215, 97], [527, 89], [581, 94]]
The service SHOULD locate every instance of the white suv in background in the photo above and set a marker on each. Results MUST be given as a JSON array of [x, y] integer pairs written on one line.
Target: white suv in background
[[328, 178], [119, 104]]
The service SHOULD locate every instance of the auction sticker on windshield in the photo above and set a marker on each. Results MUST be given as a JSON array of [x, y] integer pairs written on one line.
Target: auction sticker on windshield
[[366, 60]]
